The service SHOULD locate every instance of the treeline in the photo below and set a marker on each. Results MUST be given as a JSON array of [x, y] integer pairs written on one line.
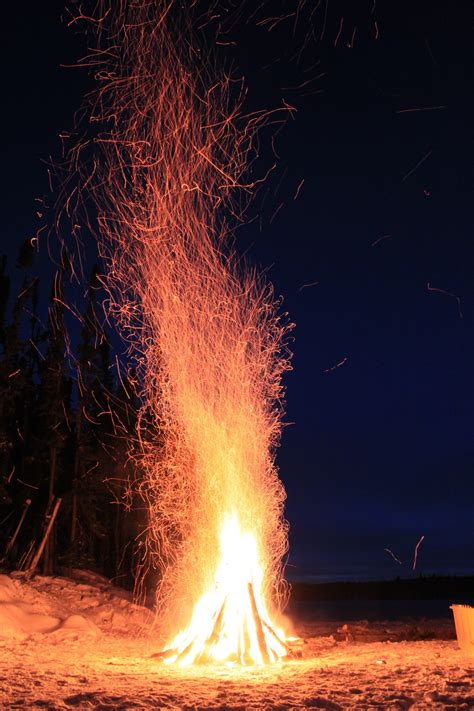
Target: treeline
[[431, 587], [65, 424]]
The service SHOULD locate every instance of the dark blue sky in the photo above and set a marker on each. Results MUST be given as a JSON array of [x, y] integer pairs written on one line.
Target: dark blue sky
[[380, 450]]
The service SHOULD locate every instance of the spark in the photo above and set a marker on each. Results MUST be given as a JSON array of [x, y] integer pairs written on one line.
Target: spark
[[274, 150], [66, 416], [88, 18], [380, 239], [415, 167], [419, 108], [119, 373], [30, 285], [272, 22], [88, 417], [446, 293], [276, 212], [291, 109], [25, 483], [415, 556], [69, 308], [278, 185], [350, 44], [387, 550], [338, 365], [300, 185], [7, 517], [324, 21], [304, 83], [339, 31], [307, 286]]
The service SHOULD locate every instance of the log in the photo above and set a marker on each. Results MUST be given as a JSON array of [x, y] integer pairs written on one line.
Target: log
[[246, 658], [213, 637], [288, 650], [27, 555], [40, 550], [262, 645], [185, 652], [12, 540]]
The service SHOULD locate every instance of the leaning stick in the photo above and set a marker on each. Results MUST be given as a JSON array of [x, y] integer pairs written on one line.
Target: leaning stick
[[185, 652], [40, 550], [258, 627], [12, 540], [280, 641], [213, 637], [26, 555], [246, 658]]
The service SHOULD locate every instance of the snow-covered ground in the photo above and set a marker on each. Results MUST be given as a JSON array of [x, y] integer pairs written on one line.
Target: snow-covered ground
[[83, 644]]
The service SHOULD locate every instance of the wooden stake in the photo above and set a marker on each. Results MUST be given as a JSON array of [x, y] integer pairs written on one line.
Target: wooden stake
[[258, 627], [12, 540], [185, 652], [26, 557], [40, 550], [213, 637], [246, 658], [280, 641]]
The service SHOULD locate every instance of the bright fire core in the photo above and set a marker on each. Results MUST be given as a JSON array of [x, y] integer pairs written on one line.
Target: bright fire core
[[230, 622]]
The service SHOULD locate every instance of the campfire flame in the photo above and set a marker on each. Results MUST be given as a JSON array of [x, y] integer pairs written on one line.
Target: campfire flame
[[208, 341], [230, 621]]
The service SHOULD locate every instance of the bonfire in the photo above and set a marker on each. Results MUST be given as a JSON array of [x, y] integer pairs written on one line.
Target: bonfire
[[169, 176]]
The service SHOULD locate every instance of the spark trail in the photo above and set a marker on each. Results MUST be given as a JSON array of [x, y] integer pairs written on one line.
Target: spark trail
[[169, 172]]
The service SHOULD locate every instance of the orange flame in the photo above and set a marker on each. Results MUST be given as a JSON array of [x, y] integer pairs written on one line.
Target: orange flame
[[205, 331], [230, 621]]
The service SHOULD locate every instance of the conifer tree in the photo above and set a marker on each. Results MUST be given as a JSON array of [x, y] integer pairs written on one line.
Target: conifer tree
[[5, 453], [18, 379], [54, 400], [94, 385]]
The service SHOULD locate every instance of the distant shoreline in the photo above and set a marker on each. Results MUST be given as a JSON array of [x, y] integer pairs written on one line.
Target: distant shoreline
[[457, 589]]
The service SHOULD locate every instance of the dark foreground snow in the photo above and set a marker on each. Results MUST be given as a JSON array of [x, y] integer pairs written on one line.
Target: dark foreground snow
[[65, 644]]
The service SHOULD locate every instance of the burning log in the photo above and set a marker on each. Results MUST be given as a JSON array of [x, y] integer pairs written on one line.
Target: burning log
[[182, 655], [204, 657], [239, 633], [246, 659], [289, 651], [258, 627]]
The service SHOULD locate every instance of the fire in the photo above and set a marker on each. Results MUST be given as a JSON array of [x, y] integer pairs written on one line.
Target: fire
[[169, 173], [230, 621]]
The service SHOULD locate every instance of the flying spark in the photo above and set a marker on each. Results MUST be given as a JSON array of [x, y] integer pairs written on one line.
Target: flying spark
[[338, 365], [415, 556]]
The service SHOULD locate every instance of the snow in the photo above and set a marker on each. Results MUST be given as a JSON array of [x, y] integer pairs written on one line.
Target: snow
[[84, 644]]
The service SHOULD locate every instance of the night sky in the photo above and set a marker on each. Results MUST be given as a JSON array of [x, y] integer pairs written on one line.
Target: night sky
[[374, 259]]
